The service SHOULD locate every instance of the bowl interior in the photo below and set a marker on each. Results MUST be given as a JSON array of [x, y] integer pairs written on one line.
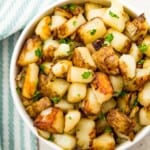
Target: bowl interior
[[14, 69]]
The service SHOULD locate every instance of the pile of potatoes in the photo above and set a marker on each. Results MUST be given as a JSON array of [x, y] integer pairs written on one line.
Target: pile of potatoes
[[84, 76]]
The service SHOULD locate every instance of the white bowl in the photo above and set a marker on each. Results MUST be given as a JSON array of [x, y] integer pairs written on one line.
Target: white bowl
[[13, 70]]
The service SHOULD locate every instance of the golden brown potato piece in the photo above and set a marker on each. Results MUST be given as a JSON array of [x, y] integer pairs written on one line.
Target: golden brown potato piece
[[43, 28], [144, 116], [120, 122], [85, 132], [102, 87], [31, 80], [48, 49], [137, 28], [31, 51], [104, 58], [120, 41], [127, 66], [81, 75], [51, 120], [90, 104], [71, 26], [61, 12], [82, 58], [92, 30], [105, 141], [35, 108]]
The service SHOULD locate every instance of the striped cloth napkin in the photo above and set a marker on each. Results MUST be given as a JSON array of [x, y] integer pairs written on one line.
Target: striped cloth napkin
[[14, 15]]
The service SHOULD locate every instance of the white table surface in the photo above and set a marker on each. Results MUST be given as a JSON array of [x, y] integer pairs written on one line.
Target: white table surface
[[142, 6]]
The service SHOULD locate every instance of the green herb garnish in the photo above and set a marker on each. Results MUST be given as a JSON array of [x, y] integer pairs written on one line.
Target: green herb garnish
[[74, 23], [134, 104], [101, 116], [93, 31], [143, 47], [72, 6], [42, 68], [38, 52], [69, 117], [122, 93], [36, 96], [108, 39], [18, 89], [86, 75], [141, 62], [78, 95], [64, 7], [112, 14], [55, 99], [51, 138], [108, 129], [65, 41]]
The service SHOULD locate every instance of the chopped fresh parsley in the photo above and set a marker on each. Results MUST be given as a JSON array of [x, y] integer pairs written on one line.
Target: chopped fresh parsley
[[101, 116], [78, 95], [74, 23], [86, 74], [55, 100], [93, 31], [64, 7], [108, 129], [72, 6], [38, 52], [69, 117], [36, 96], [141, 62], [135, 103], [42, 68], [18, 89], [112, 14], [122, 93], [108, 39], [65, 41], [51, 138], [143, 47]]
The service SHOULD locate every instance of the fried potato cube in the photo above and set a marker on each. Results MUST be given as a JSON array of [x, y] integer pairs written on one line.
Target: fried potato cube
[[64, 105], [31, 80], [61, 12], [82, 58], [51, 120], [90, 104], [127, 66], [137, 28], [46, 67], [120, 41], [105, 141], [135, 52], [29, 51], [80, 75], [117, 83], [104, 58], [120, 122], [66, 141], [76, 92], [146, 64], [57, 21], [144, 95], [43, 28], [144, 116], [36, 107], [115, 16], [71, 120], [85, 132], [92, 30], [61, 68], [102, 87], [71, 26]]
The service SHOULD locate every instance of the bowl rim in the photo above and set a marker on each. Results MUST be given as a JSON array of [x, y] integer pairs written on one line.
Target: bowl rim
[[13, 70]]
